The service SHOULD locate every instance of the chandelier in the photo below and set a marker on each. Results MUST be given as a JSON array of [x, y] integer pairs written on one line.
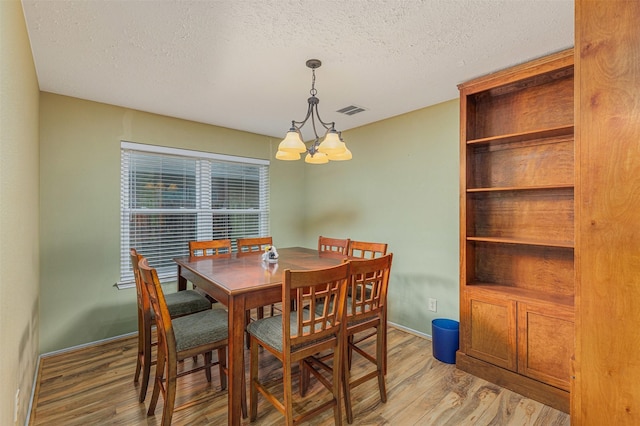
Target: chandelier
[[332, 146]]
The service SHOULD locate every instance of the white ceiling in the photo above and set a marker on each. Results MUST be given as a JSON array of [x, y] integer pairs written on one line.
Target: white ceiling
[[241, 63]]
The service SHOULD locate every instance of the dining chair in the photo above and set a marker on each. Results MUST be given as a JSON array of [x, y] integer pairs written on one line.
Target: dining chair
[[253, 247], [178, 304], [296, 336], [369, 282], [210, 248], [333, 245], [365, 250], [182, 338], [366, 310]]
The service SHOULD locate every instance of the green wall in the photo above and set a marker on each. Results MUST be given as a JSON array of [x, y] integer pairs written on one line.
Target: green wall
[[19, 233], [80, 208], [401, 188]]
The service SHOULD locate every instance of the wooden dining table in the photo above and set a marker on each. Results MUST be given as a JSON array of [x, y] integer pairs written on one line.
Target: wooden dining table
[[242, 283]]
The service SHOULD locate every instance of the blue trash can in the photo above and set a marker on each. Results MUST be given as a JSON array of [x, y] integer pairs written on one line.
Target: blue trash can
[[445, 339]]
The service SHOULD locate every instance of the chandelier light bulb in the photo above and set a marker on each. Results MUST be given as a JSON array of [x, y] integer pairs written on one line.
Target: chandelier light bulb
[[292, 143], [332, 144], [344, 156], [317, 158], [287, 155]]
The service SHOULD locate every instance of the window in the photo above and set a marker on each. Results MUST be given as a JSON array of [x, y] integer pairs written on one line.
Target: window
[[169, 197]]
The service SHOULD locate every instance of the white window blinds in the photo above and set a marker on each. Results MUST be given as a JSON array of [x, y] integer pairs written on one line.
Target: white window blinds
[[169, 197]]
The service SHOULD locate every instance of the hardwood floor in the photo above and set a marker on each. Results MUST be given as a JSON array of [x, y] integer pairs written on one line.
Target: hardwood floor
[[94, 385]]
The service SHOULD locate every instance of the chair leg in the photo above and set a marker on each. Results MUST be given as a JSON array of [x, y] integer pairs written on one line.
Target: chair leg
[[138, 368], [140, 347], [170, 394], [222, 366], [349, 351], [288, 392], [243, 403], [146, 358], [247, 320], [380, 361], [253, 378], [157, 383], [347, 391], [305, 375], [208, 358], [384, 336], [338, 374]]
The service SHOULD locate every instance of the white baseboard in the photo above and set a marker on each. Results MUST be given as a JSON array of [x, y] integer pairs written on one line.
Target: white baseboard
[[409, 330], [86, 345]]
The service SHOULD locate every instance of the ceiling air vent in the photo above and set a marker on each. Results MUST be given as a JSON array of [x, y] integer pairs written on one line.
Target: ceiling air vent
[[351, 110]]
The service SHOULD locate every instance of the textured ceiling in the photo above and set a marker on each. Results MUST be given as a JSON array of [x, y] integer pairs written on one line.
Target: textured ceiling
[[241, 63]]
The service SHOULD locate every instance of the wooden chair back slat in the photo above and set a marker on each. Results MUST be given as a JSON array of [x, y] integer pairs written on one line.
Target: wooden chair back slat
[[368, 286], [333, 245], [164, 327], [307, 289], [143, 302], [250, 246], [210, 248], [366, 250]]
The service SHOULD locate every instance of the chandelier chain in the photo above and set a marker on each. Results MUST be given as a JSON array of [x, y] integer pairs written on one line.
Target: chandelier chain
[[313, 90]]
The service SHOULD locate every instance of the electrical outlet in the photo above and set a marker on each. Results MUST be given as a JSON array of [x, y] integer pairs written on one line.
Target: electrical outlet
[[16, 406], [433, 304]]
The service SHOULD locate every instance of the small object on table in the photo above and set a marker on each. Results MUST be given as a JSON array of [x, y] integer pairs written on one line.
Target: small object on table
[[270, 254]]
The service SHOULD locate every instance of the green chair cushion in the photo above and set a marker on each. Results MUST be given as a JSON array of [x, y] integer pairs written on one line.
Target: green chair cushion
[[269, 331], [186, 302], [200, 328], [352, 320]]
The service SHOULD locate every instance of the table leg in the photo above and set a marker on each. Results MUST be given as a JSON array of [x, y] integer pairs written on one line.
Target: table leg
[[182, 281], [236, 358]]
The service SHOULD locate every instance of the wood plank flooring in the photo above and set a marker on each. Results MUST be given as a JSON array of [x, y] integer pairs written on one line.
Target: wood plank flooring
[[94, 386]]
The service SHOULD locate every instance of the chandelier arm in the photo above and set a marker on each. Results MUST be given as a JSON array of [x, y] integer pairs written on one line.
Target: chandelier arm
[[313, 124], [327, 125], [302, 123], [314, 146]]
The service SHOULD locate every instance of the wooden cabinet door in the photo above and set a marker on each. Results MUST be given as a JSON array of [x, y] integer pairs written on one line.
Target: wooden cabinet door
[[490, 332], [545, 342]]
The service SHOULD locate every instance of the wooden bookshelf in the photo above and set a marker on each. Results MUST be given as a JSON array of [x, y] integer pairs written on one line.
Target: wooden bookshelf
[[517, 282]]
